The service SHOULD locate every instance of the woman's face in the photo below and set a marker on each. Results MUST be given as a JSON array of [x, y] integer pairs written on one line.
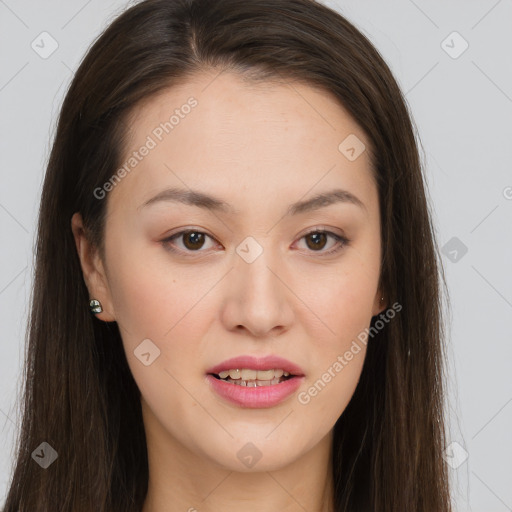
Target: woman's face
[[250, 279]]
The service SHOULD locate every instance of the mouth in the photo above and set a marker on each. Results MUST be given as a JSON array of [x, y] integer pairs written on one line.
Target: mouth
[[253, 378], [255, 382]]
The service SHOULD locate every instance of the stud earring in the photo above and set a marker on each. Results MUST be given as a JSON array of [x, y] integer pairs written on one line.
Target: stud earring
[[95, 306]]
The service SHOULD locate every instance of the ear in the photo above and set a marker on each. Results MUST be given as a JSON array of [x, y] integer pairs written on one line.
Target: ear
[[379, 303], [93, 269]]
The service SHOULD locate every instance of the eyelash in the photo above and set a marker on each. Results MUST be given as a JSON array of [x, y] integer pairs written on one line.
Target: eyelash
[[342, 241]]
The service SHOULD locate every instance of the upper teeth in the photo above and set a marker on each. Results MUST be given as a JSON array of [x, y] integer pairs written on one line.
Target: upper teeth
[[246, 374]]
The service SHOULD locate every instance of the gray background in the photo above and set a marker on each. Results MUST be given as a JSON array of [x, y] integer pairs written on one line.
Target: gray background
[[463, 110]]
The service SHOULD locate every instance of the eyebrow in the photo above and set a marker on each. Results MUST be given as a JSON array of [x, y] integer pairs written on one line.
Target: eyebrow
[[202, 200]]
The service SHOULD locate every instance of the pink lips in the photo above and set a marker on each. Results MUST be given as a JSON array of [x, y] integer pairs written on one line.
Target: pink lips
[[260, 396], [254, 363]]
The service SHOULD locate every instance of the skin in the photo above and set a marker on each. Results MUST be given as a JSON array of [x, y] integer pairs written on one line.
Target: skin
[[260, 148]]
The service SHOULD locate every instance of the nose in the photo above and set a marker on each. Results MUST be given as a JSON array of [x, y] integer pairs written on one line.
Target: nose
[[258, 298]]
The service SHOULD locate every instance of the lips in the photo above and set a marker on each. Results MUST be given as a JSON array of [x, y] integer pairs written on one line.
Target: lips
[[269, 362], [253, 395]]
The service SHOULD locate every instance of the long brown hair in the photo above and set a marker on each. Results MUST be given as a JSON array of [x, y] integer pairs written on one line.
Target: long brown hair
[[79, 395]]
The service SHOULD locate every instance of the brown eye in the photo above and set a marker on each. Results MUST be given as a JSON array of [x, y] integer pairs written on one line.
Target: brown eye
[[318, 240], [193, 240]]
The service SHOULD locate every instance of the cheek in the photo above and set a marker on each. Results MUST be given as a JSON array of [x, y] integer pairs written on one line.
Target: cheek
[[338, 352], [340, 302], [327, 392], [169, 308], [141, 300], [167, 311], [150, 296]]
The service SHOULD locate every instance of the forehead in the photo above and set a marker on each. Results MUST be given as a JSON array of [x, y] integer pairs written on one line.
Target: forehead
[[221, 130]]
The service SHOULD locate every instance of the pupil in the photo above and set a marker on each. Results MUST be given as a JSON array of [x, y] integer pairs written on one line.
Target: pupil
[[197, 240], [315, 236]]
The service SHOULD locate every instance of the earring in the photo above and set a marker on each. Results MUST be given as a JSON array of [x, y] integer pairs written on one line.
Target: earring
[[95, 306]]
